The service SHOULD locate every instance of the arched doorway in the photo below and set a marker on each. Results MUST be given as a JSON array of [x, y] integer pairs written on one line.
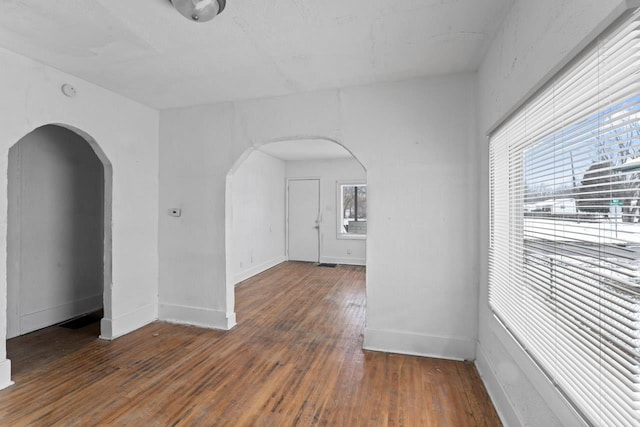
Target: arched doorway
[[260, 200], [58, 229]]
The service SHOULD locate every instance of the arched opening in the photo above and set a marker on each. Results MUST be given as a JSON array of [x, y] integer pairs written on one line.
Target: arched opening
[[58, 231], [279, 188]]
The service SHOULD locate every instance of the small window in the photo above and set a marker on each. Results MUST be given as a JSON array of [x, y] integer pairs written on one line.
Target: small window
[[352, 205]]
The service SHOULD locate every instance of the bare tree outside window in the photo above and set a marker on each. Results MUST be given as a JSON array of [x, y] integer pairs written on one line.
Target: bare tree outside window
[[353, 209]]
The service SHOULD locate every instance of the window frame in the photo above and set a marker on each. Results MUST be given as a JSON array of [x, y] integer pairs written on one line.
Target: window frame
[[339, 210]]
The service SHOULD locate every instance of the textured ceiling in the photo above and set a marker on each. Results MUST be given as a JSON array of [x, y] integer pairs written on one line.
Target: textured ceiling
[[145, 50]]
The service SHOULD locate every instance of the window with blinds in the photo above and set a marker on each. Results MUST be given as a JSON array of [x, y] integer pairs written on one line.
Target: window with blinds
[[564, 250]]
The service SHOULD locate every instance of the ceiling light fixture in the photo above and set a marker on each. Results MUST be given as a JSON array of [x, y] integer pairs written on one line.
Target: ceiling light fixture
[[199, 10]]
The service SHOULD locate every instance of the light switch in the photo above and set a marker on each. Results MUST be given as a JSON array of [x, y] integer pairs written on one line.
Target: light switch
[[175, 212]]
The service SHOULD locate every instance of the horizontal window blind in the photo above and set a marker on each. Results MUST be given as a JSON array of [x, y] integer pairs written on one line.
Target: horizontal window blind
[[564, 252]]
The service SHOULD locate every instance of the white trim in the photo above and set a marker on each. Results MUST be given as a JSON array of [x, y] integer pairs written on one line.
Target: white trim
[[50, 316], [230, 296], [346, 261], [414, 344], [346, 236], [257, 269], [5, 374], [117, 327], [197, 316]]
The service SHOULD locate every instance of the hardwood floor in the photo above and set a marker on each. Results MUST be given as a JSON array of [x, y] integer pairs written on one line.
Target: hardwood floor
[[294, 358]]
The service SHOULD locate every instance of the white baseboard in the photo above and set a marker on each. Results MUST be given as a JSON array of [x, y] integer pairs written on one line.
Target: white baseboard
[[5, 374], [497, 394], [197, 316], [418, 344], [256, 269], [111, 329], [50, 316], [346, 261]]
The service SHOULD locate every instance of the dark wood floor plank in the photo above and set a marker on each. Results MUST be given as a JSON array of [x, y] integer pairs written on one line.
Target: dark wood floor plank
[[294, 359]]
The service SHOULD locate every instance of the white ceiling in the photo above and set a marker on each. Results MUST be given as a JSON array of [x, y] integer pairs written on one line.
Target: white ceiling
[[147, 51], [306, 149]]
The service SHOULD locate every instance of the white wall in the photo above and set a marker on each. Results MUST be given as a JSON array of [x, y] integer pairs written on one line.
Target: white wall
[[255, 216], [125, 134], [415, 139], [332, 249], [56, 228], [196, 153], [536, 38]]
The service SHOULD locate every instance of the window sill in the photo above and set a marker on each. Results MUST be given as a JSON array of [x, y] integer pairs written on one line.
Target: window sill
[[352, 236]]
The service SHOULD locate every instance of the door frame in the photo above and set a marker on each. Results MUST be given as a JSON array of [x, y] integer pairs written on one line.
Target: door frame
[[286, 212]]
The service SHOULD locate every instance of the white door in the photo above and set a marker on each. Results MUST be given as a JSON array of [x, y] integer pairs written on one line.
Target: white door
[[304, 210]]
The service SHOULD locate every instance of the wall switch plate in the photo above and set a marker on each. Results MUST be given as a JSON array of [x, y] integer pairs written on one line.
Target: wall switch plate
[[175, 212]]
